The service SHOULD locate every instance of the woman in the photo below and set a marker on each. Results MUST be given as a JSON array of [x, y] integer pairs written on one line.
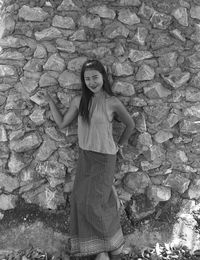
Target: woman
[[94, 219]]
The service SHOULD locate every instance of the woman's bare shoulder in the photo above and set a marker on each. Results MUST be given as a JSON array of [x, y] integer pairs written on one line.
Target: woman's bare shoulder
[[76, 101]]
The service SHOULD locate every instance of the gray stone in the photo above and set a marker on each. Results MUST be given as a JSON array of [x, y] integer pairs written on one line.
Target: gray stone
[[38, 116], [15, 101], [168, 60], [195, 12], [69, 80], [68, 157], [128, 17], [29, 142], [100, 52], [172, 120], [28, 186], [178, 35], [162, 136], [141, 207], [40, 52], [7, 71], [136, 55], [177, 78], [140, 36], [54, 134], [136, 183], [79, 35], [55, 172], [194, 60], [34, 65], [103, 11], [122, 69], [11, 42], [156, 112], [4, 87], [192, 95], [116, 29], [46, 149], [181, 15], [2, 99], [130, 2], [7, 201], [145, 72], [190, 127], [16, 163], [66, 98], [37, 99], [28, 84], [192, 111], [177, 182], [161, 40], [10, 119], [138, 102], [35, 14], [11, 55], [55, 63], [146, 11], [140, 122], [47, 80], [8, 183], [156, 90], [7, 25], [123, 88], [193, 191], [14, 135], [144, 142], [90, 21], [158, 193], [160, 21], [76, 64], [68, 5], [3, 134], [48, 34], [4, 151], [154, 153], [196, 35], [196, 80], [63, 22], [66, 46]]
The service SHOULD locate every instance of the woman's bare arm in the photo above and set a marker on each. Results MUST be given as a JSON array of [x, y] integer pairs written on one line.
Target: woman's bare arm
[[125, 117]]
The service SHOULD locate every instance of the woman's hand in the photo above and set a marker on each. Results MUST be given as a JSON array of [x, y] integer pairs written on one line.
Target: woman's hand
[[43, 94], [120, 152]]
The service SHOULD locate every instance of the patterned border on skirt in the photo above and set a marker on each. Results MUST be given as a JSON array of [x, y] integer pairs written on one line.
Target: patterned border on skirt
[[92, 246]]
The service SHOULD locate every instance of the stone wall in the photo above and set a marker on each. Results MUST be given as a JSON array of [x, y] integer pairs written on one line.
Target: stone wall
[[151, 50]]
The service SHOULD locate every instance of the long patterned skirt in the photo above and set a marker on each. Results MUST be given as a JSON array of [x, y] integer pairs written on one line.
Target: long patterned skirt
[[94, 218]]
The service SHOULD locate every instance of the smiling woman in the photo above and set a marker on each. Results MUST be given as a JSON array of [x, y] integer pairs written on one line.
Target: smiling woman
[[94, 218]]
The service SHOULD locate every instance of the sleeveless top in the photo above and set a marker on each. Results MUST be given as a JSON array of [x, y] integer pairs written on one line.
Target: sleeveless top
[[97, 136]]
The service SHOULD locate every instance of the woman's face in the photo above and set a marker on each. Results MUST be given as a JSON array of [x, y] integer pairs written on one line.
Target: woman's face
[[93, 80]]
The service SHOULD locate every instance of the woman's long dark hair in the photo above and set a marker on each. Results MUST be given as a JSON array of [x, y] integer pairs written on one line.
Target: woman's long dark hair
[[87, 94]]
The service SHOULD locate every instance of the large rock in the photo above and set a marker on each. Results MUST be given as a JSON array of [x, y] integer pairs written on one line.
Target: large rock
[[35, 14], [177, 78], [76, 64], [127, 17], [29, 142], [194, 60], [46, 149], [145, 72], [116, 29], [55, 63], [177, 182], [7, 25], [7, 201], [103, 11], [10, 118], [123, 88], [63, 22], [156, 90], [16, 163], [7, 71], [136, 55], [159, 193], [190, 126], [136, 182], [69, 80], [181, 15], [68, 5], [90, 21], [3, 134], [48, 34], [65, 46], [162, 136], [8, 183], [193, 191], [160, 21], [195, 12]]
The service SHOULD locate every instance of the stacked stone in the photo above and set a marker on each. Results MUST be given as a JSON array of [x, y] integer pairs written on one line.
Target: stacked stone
[[151, 50]]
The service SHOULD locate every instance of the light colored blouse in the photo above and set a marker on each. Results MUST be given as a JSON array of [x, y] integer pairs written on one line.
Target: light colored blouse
[[97, 135]]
